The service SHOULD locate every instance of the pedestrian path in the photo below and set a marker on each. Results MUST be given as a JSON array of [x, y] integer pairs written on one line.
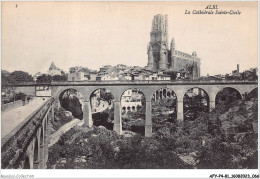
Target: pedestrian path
[[102, 107], [63, 129], [13, 117]]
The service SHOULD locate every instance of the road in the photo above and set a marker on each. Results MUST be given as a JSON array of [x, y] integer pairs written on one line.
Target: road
[[63, 129], [66, 127], [102, 107], [13, 117]]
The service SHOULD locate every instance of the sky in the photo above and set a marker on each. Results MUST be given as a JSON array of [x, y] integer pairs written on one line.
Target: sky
[[93, 34]]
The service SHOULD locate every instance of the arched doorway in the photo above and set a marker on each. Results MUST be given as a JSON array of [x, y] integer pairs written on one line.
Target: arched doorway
[[195, 102]]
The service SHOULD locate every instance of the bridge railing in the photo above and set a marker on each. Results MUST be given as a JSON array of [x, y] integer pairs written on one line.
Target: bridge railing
[[153, 82], [183, 81], [7, 106], [15, 144]]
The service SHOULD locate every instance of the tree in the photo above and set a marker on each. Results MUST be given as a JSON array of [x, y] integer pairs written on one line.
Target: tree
[[44, 79], [21, 76], [7, 79], [227, 95], [59, 78], [20, 96], [249, 75]]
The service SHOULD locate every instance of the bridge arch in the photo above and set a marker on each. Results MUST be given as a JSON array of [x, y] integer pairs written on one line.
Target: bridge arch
[[102, 99], [224, 93], [66, 90], [117, 88], [104, 93], [134, 101], [163, 107], [241, 93], [195, 101], [71, 100], [138, 90], [56, 91]]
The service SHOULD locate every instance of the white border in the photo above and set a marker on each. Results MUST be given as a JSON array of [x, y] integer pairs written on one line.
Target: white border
[[122, 173]]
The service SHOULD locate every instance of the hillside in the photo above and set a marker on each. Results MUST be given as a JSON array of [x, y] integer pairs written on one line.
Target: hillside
[[224, 138]]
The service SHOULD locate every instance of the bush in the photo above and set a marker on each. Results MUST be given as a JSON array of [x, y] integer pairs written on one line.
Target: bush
[[60, 118], [215, 157]]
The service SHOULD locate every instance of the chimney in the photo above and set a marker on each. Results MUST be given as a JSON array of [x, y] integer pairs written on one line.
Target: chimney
[[237, 68]]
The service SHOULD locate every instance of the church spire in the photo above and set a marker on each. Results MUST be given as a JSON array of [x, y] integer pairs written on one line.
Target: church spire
[[52, 66]]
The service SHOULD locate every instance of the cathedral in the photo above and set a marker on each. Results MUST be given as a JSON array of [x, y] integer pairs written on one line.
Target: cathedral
[[161, 58]]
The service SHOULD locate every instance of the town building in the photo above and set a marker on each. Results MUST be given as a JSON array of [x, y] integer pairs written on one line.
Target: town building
[[37, 75], [79, 73], [236, 72], [132, 73], [131, 100], [170, 60]]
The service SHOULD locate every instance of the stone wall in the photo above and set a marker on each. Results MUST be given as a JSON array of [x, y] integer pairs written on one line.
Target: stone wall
[[16, 143], [28, 90]]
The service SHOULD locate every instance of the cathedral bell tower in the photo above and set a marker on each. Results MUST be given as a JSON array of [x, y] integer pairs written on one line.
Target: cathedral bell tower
[[158, 46]]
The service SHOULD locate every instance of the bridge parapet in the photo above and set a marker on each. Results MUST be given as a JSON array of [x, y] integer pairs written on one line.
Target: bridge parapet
[[15, 145], [140, 82], [143, 82]]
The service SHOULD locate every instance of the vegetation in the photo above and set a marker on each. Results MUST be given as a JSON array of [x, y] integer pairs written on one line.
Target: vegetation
[[14, 97], [20, 76], [246, 75], [227, 95], [15, 77], [60, 78], [48, 78], [71, 103], [194, 106], [44, 79], [102, 148], [60, 118], [107, 96], [7, 79], [20, 96]]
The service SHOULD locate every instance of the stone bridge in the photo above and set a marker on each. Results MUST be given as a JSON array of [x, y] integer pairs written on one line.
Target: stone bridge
[[26, 146], [149, 88]]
